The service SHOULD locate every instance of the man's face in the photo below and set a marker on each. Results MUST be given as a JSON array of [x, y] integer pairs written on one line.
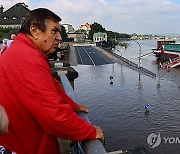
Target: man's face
[[48, 41]]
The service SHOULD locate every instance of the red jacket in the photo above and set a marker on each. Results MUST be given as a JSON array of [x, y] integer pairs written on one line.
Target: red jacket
[[38, 109]]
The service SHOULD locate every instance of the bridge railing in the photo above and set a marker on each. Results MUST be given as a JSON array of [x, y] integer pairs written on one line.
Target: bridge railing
[[135, 66], [89, 146]]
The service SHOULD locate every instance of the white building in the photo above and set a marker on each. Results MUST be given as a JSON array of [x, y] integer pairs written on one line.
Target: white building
[[99, 37], [69, 28]]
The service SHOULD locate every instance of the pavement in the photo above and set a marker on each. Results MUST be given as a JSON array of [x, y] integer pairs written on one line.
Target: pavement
[[72, 56]]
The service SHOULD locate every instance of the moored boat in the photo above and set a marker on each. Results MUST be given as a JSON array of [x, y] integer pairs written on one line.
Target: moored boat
[[169, 50]]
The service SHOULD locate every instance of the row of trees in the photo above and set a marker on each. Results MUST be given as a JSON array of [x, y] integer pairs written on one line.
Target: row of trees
[[112, 36]]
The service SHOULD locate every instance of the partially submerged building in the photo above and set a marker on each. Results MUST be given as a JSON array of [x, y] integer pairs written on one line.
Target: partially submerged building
[[99, 37]]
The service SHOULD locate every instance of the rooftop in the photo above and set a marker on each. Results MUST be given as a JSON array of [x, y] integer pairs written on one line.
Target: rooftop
[[14, 15]]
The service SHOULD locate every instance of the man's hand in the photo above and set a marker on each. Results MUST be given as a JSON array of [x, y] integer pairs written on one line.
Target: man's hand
[[99, 133], [82, 108]]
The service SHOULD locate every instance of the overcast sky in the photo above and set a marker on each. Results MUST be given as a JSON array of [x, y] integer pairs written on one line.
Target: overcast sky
[[123, 16]]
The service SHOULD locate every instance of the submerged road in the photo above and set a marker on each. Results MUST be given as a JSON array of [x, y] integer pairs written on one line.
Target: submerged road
[[87, 55]]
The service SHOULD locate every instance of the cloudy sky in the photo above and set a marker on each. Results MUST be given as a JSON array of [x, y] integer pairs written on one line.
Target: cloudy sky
[[123, 16]]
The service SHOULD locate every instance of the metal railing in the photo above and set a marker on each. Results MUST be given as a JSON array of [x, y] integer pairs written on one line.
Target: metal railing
[[131, 64], [135, 66], [89, 146]]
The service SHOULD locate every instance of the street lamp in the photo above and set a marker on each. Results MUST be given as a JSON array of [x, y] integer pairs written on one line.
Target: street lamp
[[139, 60], [139, 52]]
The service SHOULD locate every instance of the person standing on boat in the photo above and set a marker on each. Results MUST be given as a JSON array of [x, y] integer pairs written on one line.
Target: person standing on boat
[[39, 110]]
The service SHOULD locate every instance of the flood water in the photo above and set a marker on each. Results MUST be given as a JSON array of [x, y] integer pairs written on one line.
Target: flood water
[[119, 107]]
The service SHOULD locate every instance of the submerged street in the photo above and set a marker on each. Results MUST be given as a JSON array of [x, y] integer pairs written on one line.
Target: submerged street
[[87, 55]]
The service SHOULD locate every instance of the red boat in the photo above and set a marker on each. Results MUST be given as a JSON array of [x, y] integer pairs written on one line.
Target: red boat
[[169, 50]]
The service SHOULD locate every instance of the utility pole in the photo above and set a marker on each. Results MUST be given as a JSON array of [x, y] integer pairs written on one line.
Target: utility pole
[[139, 52]]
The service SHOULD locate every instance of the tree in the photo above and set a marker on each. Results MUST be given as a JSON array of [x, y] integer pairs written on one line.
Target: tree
[[111, 36], [64, 34], [122, 35], [3, 31], [95, 28]]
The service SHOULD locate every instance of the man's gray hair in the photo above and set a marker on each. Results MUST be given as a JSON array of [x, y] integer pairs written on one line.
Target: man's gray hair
[[38, 17]]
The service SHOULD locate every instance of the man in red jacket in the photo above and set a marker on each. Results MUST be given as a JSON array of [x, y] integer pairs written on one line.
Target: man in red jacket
[[38, 109]]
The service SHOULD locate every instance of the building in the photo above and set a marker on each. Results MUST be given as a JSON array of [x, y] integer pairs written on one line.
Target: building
[[14, 16], [69, 28], [99, 37], [76, 37], [86, 27], [72, 35]]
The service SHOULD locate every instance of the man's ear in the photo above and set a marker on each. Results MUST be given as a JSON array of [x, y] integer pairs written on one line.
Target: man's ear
[[34, 31]]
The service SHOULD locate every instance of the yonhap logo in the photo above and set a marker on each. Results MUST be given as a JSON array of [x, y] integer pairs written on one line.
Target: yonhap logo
[[154, 140]]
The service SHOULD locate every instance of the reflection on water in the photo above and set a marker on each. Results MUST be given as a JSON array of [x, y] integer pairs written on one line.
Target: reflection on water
[[119, 107]]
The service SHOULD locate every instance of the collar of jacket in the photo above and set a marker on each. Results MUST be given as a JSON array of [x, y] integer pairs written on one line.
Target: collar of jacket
[[25, 39]]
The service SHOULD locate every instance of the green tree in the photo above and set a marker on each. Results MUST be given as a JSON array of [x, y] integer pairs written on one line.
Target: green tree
[[64, 34], [112, 37], [95, 28], [3, 31], [122, 35]]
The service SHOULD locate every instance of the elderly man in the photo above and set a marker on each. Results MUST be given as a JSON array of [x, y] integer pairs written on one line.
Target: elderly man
[[39, 111]]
